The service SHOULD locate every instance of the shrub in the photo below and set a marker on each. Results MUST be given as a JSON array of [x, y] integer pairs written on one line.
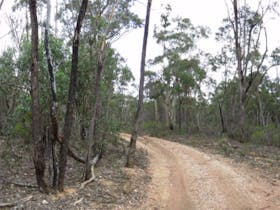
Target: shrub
[[267, 135]]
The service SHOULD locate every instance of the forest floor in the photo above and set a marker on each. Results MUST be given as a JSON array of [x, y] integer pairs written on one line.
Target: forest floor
[[115, 186], [205, 173], [185, 177]]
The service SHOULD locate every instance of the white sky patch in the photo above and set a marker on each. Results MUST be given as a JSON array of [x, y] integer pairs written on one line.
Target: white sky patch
[[208, 13], [5, 39], [201, 12]]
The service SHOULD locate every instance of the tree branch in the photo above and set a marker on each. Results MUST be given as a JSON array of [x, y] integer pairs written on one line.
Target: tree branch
[[1, 4], [92, 165], [19, 184], [11, 204], [265, 52]]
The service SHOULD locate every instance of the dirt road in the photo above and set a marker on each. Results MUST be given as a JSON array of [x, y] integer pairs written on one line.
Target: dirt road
[[185, 178]]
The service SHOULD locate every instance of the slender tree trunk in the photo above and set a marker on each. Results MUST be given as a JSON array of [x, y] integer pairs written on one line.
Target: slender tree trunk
[[262, 121], [173, 114], [1, 3], [53, 112], [39, 147], [134, 135], [166, 102], [242, 114], [240, 70], [198, 122], [93, 122], [71, 97], [224, 129], [180, 114], [156, 111]]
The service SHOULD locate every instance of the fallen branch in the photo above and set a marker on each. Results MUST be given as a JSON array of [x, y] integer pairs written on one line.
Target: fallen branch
[[92, 163], [71, 153], [15, 203], [18, 184], [22, 185], [78, 201]]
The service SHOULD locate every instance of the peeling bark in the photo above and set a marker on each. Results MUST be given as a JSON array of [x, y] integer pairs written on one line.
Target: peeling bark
[[53, 112]]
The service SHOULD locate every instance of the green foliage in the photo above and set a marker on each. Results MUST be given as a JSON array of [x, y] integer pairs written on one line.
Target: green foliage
[[154, 129], [175, 87], [181, 74], [97, 20], [267, 135], [20, 119]]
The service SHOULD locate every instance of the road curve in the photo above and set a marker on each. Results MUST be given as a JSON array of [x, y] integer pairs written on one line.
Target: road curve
[[184, 178]]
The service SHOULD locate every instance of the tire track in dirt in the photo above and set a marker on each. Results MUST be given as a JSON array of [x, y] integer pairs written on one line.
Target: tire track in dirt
[[185, 178]]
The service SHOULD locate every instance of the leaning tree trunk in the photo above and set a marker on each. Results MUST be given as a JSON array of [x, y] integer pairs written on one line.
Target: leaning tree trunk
[[134, 135], [71, 97], [39, 147]]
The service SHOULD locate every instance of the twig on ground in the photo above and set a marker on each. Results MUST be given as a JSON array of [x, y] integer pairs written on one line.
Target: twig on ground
[[15, 203], [78, 201], [18, 184]]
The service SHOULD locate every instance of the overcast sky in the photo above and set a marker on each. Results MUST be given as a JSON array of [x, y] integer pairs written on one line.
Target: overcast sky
[[201, 12]]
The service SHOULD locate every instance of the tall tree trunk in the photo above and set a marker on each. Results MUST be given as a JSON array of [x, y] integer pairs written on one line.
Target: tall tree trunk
[[134, 135], [71, 97], [39, 147], [54, 105], [93, 121], [240, 70]]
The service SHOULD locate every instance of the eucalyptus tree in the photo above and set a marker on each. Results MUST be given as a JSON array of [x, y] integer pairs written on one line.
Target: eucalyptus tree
[[71, 96], [222, 62], [138, 114], [245, 34], [181, 71], [39, 149], [224, 107], [105, 22], [262, 110]]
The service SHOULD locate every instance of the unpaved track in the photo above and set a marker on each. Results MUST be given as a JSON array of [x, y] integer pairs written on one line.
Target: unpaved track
[[185, 178]]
